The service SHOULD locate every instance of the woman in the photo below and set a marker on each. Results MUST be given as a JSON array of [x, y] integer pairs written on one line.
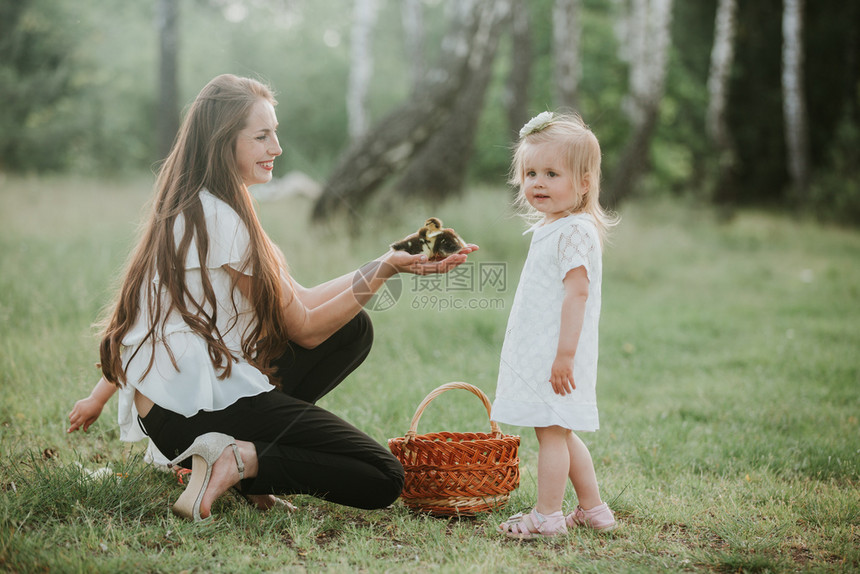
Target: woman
[[219, 354]]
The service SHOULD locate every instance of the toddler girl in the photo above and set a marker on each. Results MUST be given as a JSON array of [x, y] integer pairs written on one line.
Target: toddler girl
[[548, 367]]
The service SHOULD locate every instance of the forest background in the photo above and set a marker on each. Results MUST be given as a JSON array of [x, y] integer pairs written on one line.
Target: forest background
[[83, 89]]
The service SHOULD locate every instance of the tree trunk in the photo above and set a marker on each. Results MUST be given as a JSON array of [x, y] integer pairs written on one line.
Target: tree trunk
[[566, 31], [361, 66], [439, 169], [644, 31], [794, 102], [413, 28], [722, 56], [394, 140], [517, 87], [633, 161], [167, 16]]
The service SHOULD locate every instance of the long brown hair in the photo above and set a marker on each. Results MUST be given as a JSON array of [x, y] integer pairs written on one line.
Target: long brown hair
[[203, 156]]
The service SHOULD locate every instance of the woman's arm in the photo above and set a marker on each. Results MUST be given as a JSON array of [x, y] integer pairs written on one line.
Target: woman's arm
[[572, 317], [313, 315], [319, 294], [86, 411]]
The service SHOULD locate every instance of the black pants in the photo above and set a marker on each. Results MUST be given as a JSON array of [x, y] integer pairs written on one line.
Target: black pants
[[301, 448]]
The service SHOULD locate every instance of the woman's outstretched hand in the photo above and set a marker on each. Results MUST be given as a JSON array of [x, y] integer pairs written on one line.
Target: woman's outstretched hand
[[420, 265]]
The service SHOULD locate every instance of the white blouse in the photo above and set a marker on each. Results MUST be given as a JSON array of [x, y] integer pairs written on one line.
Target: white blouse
[[193, 385], [524, 395]]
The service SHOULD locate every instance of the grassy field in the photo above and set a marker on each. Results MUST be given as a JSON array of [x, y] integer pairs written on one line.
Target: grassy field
[[729, 393]]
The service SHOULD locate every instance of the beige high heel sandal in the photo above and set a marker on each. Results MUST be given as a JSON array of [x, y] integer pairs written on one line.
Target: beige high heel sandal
[[204, 451]]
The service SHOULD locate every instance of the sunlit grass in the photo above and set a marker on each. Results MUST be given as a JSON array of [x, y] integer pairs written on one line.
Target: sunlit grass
[[728, 393]]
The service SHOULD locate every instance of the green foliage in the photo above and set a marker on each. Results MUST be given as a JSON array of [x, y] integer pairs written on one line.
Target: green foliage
[[36, 84], [78, 82], [755, 103], [835, 193], [680, 147], [728, 398], [831, 76], [601, 89]]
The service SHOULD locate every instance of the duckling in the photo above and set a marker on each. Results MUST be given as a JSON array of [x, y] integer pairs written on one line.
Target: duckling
[[419, 241], [433, 240], [447, 243]]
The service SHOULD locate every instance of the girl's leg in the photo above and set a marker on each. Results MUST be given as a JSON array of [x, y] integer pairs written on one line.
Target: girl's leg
[[581, 473], [554, 464], [309, 374], [546, 519]]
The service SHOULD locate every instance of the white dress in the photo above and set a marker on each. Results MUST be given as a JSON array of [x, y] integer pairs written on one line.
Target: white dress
[[195, 386], [524, 395]]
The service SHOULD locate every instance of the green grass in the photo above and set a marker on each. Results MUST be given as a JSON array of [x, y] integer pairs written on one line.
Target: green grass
[[729, 393]]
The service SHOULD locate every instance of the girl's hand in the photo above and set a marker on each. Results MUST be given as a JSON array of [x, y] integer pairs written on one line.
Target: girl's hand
[[561, 377], [419, 265], [84, 413]]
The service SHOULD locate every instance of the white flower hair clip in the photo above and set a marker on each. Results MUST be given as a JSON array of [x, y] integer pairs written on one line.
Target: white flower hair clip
[[536, 124]]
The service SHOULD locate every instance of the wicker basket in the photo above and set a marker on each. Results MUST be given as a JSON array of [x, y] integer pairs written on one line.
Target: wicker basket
[[451, 473]]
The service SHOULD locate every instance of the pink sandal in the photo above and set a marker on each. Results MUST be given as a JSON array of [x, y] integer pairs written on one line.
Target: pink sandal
[[599, 518], [533, 525]]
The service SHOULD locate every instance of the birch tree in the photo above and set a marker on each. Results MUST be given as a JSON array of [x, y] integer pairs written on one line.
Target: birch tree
[[566, 31], [722, 57], [394, 140], [361, 66], [794, 101], [643, 31], [439, 168], [516, 94], [166, 18]]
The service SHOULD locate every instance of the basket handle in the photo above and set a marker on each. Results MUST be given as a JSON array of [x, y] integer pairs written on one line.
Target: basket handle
[[413, 427]]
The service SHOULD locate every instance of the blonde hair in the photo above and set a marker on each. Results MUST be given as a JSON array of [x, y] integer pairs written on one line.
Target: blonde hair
[[581, 154], [203, 157]]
